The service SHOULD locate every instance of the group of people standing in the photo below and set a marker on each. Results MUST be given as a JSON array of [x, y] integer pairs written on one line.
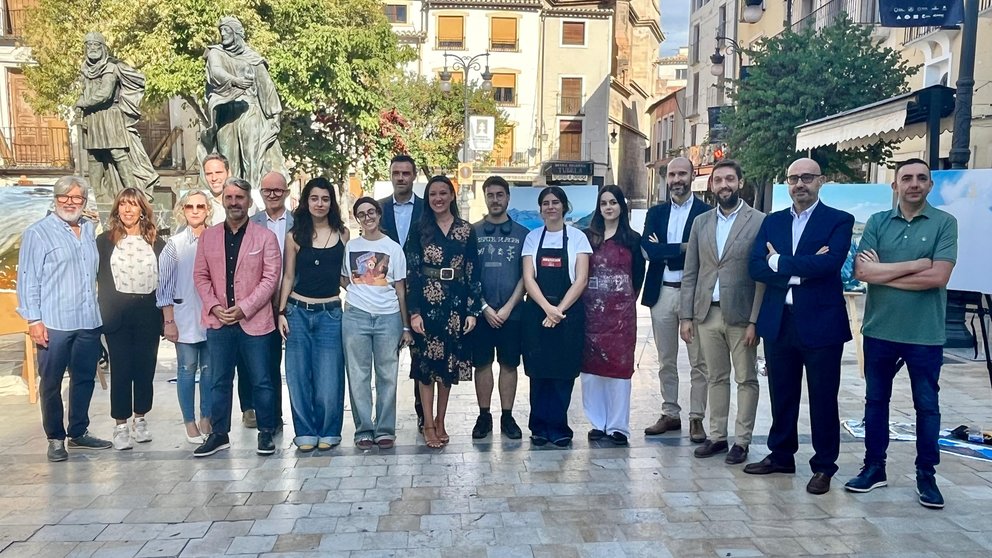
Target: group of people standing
[[466, 297]]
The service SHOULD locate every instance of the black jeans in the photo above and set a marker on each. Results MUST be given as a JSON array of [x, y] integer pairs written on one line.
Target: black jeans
[[549, 401], [133, 350], [79, 350]]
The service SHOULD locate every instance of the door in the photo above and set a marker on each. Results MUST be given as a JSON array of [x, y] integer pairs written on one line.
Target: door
[[37, 140]]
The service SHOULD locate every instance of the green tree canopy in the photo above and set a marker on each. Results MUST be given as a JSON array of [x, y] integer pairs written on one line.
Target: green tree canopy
[[329, 60], [799, 77]]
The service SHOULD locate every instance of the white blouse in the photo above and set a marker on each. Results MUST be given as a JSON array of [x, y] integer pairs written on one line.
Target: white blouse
[[134, 266]]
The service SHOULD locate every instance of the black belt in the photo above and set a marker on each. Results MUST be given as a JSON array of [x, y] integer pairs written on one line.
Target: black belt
[[314, 306], [442, 273], [672, 284]]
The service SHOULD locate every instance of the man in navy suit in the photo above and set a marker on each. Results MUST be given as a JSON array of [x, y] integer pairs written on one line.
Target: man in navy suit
[[798, 254], [400, 217], [666, 232]]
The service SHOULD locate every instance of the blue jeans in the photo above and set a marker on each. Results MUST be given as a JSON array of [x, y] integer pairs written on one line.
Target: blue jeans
[[79, 351], [230, 345], [315, 374], [193, 357], [881, 365], [372, 341]]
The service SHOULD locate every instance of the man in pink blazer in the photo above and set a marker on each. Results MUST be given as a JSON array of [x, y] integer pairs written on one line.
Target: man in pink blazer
[[237, 271]]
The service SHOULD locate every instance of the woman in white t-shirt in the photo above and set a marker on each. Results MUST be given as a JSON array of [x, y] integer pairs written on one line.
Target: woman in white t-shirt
[[556, 269], [376, 325]]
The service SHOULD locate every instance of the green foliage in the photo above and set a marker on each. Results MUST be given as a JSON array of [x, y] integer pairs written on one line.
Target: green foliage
[[799, 77], [328, 59]]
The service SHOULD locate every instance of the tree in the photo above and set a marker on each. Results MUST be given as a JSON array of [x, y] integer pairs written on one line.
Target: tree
[[328, 59], [799, 77]]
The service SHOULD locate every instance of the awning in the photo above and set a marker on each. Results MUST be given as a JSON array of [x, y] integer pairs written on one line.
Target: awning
[[895, 119]]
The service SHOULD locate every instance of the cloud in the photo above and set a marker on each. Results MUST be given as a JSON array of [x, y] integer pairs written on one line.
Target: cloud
[[675, 24]]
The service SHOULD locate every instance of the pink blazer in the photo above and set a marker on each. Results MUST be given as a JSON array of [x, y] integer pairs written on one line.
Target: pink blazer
[[256, 277]]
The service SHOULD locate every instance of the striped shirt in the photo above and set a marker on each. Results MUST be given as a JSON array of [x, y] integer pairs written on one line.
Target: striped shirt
[[168, 273], [56, 275]]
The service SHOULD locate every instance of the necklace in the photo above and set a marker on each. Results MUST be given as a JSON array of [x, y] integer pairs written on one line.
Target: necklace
[[316, 257]]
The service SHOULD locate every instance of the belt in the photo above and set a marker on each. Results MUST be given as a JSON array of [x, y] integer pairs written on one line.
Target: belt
[[672, 284], [715, 303], [314, 306], [442, 273]]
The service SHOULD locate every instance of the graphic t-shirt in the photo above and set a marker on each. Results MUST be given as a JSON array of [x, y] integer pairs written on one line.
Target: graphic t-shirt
[[373, 266], [500, 249]]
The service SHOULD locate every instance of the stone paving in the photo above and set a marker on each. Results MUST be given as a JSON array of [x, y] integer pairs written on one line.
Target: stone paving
[[497, 498]]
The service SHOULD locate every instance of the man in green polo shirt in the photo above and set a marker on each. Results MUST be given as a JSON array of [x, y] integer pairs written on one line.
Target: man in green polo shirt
[[906, 256]]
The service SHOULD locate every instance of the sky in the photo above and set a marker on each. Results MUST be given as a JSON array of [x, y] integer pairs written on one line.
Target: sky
[[675, 24]]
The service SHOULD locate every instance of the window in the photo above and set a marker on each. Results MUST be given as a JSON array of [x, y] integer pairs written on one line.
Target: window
[[694, 45], [503, 153], [450, 32], [573, 33], [571, 95], [395, 13], [505, 89], [721, 24], [681, 73], [503, 33], [570, 140]]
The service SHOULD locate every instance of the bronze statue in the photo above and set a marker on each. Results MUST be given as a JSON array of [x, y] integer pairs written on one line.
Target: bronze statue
[[243, 107], [110, 103]]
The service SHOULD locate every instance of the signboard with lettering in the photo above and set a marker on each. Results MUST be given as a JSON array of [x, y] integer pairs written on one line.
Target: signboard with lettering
[[921, 13], [568, 172], [481, 133]]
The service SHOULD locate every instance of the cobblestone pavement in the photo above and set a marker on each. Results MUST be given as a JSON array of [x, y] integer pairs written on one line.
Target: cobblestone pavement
[[497, 498]]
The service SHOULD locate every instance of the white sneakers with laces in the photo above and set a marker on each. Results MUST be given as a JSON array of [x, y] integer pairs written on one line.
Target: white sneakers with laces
[[141, 433], [122, 437]]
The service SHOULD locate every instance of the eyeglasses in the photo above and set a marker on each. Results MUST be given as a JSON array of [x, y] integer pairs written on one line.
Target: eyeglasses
[[272, 192], [198, 206], [806, 177], [363, 215], [66, 198]]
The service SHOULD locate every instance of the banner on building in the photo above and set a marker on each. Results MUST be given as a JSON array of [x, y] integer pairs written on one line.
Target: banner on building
[[481, 133], [921, 13]]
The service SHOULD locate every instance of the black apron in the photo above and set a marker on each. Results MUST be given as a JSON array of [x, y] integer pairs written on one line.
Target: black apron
[[553, 353]]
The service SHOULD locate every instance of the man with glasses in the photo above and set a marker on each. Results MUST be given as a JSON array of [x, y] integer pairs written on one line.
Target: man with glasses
[[56, 294], [279, 220], [498, 335], [798, 255]]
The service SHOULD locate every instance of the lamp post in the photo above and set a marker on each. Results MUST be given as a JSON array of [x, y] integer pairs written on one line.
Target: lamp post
[[465, 64], [718, 68]]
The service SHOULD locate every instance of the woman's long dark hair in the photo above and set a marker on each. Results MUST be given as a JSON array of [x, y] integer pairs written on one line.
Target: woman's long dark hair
[[303, 220], [625, 235], [428, 221], [146, 221]]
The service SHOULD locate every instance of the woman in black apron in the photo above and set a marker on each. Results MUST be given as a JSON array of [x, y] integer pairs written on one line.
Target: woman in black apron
[[554, 318]]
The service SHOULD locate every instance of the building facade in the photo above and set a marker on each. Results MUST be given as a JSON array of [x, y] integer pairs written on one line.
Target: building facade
[[673, 72]]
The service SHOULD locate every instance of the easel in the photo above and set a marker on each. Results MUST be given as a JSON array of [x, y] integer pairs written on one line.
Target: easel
[[855, 320], [981, 310]]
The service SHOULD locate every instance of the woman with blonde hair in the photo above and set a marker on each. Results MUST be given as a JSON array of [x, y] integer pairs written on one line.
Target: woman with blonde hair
[[126, 281], [180, 304]]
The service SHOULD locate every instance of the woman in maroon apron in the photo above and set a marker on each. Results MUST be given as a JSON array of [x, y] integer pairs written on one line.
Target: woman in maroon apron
[[556, 267], [616, 272]]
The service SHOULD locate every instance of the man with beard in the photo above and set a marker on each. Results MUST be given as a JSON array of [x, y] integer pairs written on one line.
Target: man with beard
[[500, 240], [56, 294], [719, 308], [236, 273], [798, 255], [665, 238]]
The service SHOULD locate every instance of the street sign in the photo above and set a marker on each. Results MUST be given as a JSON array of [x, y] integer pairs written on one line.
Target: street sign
[[481, 133]]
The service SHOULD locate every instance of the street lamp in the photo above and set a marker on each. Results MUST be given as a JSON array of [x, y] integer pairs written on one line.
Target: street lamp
[[718, 60], [753, 10], [465, 64]]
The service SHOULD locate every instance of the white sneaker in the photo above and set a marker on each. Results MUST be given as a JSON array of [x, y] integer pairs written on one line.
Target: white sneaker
[[141, 433], [122, 437]]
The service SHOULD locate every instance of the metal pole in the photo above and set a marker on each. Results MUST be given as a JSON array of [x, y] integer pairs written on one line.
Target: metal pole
[[465, 111], [961, 140]]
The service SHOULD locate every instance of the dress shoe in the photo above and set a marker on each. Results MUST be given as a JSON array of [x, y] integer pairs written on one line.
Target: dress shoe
[[619, 439], [872, 476], [696, 433], [563, 442], [265, 444], [766, 467], [710, 448], [926, 487], [819, 484], [596, 434], [56, 451], [508, 426], [737, 455], [483, 426], [248, 419], [665, 424], [538, 440]]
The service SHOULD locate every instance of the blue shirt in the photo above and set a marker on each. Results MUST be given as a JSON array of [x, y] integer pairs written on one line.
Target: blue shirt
[[56, 275], [403, 213]]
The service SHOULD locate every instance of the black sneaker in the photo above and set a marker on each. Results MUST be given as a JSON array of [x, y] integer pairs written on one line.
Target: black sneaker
[[619, 439], [563, 442], [509, 427], [872, 476], [89, 442], [215, 443], [926, 487], [538, 440], [56, 451], [265, 444], [483, 426], [596, 434]]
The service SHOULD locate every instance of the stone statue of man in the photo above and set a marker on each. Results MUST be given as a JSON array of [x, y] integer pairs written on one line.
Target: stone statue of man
[[242, 105], [112, 93]]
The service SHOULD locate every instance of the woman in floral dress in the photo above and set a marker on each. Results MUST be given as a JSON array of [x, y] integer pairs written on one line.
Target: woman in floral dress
[[444, 298]]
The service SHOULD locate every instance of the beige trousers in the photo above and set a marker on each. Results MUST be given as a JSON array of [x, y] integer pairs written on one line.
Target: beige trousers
[[722, 346], [665, 323]]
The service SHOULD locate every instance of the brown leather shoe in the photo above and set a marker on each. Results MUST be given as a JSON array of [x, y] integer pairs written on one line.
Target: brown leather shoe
[[696, 433], [819, 484], [665, 423]]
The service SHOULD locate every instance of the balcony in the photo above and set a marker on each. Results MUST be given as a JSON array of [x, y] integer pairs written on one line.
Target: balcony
[[14, 24], [39, 147], [504, 45], [570, 104], [862, 12], [911, 34], [450, 43]]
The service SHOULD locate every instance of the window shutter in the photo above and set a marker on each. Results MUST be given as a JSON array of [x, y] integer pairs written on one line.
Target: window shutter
[[449, 29], [573, 33]]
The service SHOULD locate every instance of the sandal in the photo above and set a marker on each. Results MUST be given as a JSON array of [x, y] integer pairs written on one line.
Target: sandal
[[432, 441], [445, 438]]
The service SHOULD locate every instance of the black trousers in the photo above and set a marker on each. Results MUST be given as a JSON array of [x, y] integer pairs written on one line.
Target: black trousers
[[133, 351], [549, 401], [786, 357]]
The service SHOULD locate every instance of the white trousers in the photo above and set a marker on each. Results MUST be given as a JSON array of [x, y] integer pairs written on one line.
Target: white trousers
[[607, 403]]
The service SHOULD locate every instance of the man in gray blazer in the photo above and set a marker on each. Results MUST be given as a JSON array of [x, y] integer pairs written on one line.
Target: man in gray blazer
[[279, 220], [719, 308]]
